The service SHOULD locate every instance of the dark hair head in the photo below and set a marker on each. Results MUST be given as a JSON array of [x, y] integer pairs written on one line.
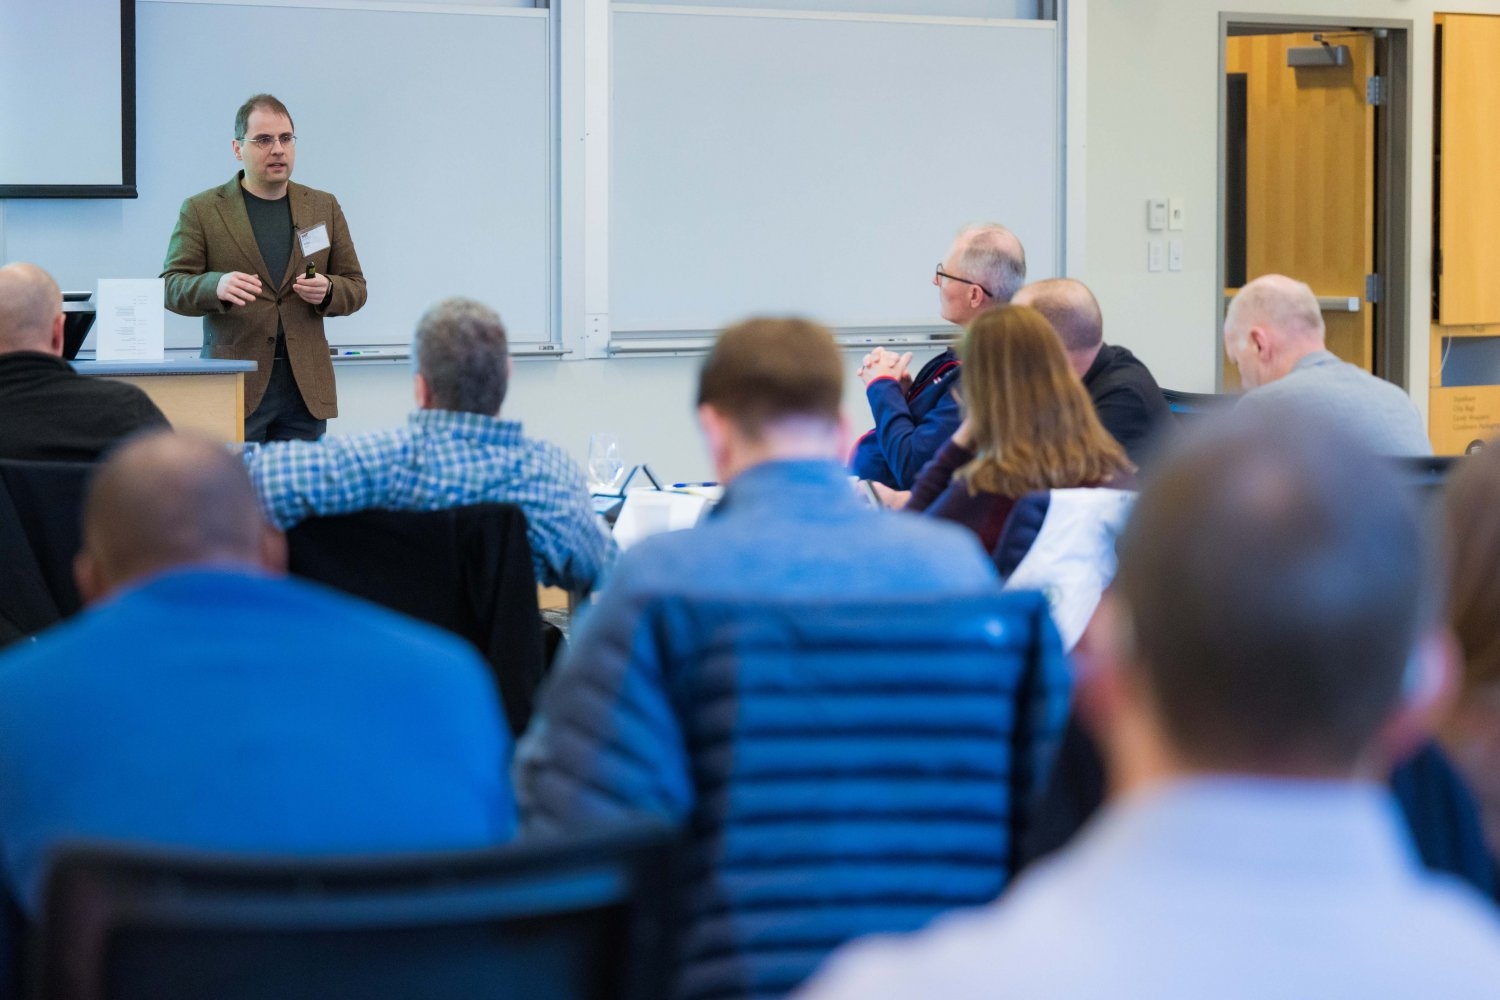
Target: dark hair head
[[763, 371], [1276, 577], [1034, 426], [265, 102], [461, 351]]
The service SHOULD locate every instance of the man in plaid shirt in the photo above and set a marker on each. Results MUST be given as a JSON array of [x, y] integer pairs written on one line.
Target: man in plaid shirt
[[454, 450]]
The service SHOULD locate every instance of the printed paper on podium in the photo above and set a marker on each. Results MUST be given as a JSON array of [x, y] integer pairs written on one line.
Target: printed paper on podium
[[131, 319]]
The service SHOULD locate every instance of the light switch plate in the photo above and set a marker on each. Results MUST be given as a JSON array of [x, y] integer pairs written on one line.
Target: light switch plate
[[1156, 256], [1174, 255], [1176, 213], [1156, 214]]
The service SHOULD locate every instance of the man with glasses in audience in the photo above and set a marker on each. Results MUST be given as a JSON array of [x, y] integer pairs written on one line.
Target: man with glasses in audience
[[263, 261], [985, 266]]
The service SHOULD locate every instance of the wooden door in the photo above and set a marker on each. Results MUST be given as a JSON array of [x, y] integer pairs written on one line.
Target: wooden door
[[1310, 179], [1468, 292]]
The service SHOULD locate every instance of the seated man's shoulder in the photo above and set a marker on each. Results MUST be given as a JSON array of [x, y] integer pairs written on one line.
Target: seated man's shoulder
[[551, 457]]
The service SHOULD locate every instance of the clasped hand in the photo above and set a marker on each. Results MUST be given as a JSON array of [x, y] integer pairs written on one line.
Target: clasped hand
[[238, 288], [882, 363]]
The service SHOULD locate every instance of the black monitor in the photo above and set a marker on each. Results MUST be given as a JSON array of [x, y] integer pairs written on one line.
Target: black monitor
[[78, 320]]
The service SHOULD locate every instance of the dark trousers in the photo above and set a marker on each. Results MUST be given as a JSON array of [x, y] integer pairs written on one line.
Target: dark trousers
[[282, 415]]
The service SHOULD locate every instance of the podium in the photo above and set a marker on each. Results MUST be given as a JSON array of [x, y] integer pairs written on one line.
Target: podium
[[203, 394]]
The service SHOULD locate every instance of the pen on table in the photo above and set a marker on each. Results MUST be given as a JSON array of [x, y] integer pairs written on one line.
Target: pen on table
[[684, 486]]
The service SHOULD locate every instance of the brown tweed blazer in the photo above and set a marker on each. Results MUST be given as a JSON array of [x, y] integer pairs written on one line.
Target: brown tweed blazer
[[212, 236]]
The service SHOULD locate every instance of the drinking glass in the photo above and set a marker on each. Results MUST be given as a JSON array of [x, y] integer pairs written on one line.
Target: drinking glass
[[606, 469]]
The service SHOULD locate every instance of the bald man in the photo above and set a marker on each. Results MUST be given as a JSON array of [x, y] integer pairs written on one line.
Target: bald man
[[1274, 334], [206, 701], [1124, 392], [48, 412]]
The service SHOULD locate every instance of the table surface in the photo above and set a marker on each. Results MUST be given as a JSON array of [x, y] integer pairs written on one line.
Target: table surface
[[170, 366]]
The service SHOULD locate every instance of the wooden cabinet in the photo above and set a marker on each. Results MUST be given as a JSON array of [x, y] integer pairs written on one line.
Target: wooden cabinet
[[1466, 214]]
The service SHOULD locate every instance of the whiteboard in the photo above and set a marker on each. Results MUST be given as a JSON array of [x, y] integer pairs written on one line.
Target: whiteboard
[[432, 128], [766, 162]]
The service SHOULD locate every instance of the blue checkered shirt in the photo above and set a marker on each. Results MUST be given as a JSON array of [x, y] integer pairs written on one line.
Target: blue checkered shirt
[[443, 458]]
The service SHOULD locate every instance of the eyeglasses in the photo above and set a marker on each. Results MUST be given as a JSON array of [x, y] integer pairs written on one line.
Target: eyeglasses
[[267, 141], [953, 277]]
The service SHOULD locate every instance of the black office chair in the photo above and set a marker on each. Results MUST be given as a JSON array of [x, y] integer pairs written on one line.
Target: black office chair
[[464, 569], [581, 918], [41, 505], [1189, 405]]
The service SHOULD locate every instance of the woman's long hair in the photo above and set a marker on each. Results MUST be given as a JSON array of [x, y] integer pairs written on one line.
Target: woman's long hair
[[1034, 425]]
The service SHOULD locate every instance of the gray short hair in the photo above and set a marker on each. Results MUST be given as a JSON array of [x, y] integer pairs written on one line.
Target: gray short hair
[[994, 257], [460, 349]]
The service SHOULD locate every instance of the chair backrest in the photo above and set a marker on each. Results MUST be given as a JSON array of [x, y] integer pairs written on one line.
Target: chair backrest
[[581, 918], [858, 766], [1062, 543], [1426, 474], [1188, 405], [465, 569], [41, 508]]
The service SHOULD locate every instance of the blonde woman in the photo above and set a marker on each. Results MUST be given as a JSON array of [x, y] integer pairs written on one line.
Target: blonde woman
[[1029, 425]]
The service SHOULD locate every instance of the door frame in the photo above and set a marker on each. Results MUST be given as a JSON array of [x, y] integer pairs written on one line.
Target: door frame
[[1391, 320]]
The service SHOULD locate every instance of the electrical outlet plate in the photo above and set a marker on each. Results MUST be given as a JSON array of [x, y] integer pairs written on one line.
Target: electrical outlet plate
[[1156, 256]]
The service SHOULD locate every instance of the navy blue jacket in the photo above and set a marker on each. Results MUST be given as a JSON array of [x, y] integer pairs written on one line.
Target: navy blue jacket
[[844, 769], [910, 425], [836, 723]]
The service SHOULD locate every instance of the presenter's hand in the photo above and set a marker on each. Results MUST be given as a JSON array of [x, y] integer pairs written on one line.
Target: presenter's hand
[[311, 290], [238, 288], [881, 363]]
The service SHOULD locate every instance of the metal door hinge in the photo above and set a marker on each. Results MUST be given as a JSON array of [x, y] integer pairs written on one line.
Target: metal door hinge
[[1374, 286], [1375, 91]]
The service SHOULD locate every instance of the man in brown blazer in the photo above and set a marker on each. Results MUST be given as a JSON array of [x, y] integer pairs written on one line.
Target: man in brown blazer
[[263, 261]]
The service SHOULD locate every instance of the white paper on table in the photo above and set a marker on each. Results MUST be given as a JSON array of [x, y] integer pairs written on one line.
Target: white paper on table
[[131, 319], [650, 512]]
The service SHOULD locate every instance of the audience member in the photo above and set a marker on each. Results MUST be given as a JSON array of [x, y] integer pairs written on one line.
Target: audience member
[[914, 416], [454, 450], [203, 700], [1274, 335], [1126, 397], [1265, 651], [1029, 427], [617, 735], [1472, 733], [48, 412]]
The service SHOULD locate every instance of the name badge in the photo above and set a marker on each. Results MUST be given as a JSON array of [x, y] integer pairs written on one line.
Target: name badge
[[313, 239]]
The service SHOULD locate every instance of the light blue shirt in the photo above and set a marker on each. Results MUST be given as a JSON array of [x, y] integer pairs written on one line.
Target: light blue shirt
[[442, 459], [1220, 888], [1326, 388]]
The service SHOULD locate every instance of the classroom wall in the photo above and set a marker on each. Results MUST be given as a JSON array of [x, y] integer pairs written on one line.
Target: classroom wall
[[647, 401], [1153, 132]]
